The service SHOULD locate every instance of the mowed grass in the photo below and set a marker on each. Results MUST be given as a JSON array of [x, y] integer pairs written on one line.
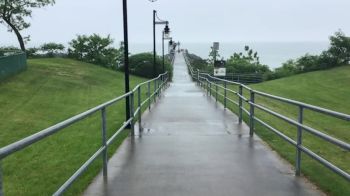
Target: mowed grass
[[49, 91], [329, 89]]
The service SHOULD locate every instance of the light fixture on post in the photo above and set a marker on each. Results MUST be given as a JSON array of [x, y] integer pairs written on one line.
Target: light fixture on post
[[154, 38], [166, 35]]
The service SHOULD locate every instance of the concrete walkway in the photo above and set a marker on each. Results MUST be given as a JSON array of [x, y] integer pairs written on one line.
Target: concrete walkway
[[191, 146]]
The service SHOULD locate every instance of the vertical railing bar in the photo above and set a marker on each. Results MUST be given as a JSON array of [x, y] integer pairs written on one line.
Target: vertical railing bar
[[251, 121], [210, 88], [299, 142], [131, 97], [207, 86], [139, 106], [154, 91], [240, 109], [149, 95], [104, 143], [160, 85], [198, 77], [216, 90], [225, 95]]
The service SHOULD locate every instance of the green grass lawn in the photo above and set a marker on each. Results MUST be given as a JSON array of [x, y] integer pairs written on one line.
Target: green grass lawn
[[329, 89], [49, 91]]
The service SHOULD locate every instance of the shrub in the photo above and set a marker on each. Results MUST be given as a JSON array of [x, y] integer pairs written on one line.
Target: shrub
[[95, 49], [142, 65], [52, 49]]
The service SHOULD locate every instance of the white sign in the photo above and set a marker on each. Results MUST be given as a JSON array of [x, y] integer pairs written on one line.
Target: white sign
[[219, 71], [216, 46]]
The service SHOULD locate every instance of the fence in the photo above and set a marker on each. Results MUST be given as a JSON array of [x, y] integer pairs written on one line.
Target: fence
[[212, 84], [245, 78], [135, 115], [12, 63]]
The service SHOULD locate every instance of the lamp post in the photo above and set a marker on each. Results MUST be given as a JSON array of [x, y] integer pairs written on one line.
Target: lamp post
[[126, 58], [165, 34], [154, 38]]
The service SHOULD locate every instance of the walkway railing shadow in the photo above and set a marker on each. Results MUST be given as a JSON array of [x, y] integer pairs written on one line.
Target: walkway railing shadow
[[214, 86], [159, 83]]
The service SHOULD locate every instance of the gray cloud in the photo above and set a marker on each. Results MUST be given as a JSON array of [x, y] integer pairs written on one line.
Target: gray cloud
[[190, 20]]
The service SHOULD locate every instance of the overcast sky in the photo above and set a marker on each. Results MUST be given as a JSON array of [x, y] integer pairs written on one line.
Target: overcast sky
[[190, 20]]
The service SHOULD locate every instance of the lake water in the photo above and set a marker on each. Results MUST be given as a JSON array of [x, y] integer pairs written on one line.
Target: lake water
[[272, 54]]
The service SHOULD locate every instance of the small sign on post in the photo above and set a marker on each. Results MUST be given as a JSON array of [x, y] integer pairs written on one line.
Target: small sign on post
[[219, 68], [216, 46]]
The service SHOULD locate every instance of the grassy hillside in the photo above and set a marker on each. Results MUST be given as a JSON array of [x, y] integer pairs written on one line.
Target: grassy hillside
[[329, 89], [52, 90]]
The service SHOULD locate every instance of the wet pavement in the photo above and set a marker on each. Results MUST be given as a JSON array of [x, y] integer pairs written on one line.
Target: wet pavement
[[191, 146]]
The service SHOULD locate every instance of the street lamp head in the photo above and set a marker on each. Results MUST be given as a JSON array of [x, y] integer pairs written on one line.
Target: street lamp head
[[166, 31]]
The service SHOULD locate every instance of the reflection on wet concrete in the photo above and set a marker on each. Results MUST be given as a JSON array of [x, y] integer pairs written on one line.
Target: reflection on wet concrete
[[191, 146]]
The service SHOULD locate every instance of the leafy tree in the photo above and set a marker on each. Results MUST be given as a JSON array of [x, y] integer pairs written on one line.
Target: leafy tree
[[13, 14], [199, 63], [214, 54], [95, 49], [32, 52], [288, 68], [142, 65], [52, 48], [247, 62], [340, 47]]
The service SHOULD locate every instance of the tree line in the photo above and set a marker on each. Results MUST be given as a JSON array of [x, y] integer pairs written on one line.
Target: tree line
[[248, 62]]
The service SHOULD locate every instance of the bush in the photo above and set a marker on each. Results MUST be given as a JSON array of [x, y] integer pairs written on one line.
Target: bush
[[199, 63], [52, 49], [95, 49], [142, 65], [340, 48], [32, 52], [338, 54], [247, 62]]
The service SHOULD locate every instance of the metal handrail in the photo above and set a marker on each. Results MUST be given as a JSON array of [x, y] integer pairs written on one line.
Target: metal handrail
[[206, 81], [159, 83]]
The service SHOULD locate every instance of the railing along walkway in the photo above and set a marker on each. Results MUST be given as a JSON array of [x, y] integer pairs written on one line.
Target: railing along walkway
[[159, 83], [191, 146], [213, 86]]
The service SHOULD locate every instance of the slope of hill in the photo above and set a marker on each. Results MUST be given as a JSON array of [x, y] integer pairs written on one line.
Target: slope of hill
[[52, 90], [329, 89]]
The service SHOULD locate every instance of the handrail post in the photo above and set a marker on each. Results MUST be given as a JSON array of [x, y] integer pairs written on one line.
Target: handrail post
[[158, 88], [240, 109], [207, 86], [299, 142], [198, 77], [139, 106], [210, 88], [154, 90], [216, 91], [225, 94], [132, 113], [149, 95], [251, 121], [104, 143]]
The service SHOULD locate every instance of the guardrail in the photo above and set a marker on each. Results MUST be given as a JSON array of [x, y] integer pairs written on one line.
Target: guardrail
[[211, 84], [244, 78], [159, 83]]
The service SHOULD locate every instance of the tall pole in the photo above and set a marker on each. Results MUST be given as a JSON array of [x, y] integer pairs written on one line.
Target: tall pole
[[163, 51], [126, 59], [154, 43]]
